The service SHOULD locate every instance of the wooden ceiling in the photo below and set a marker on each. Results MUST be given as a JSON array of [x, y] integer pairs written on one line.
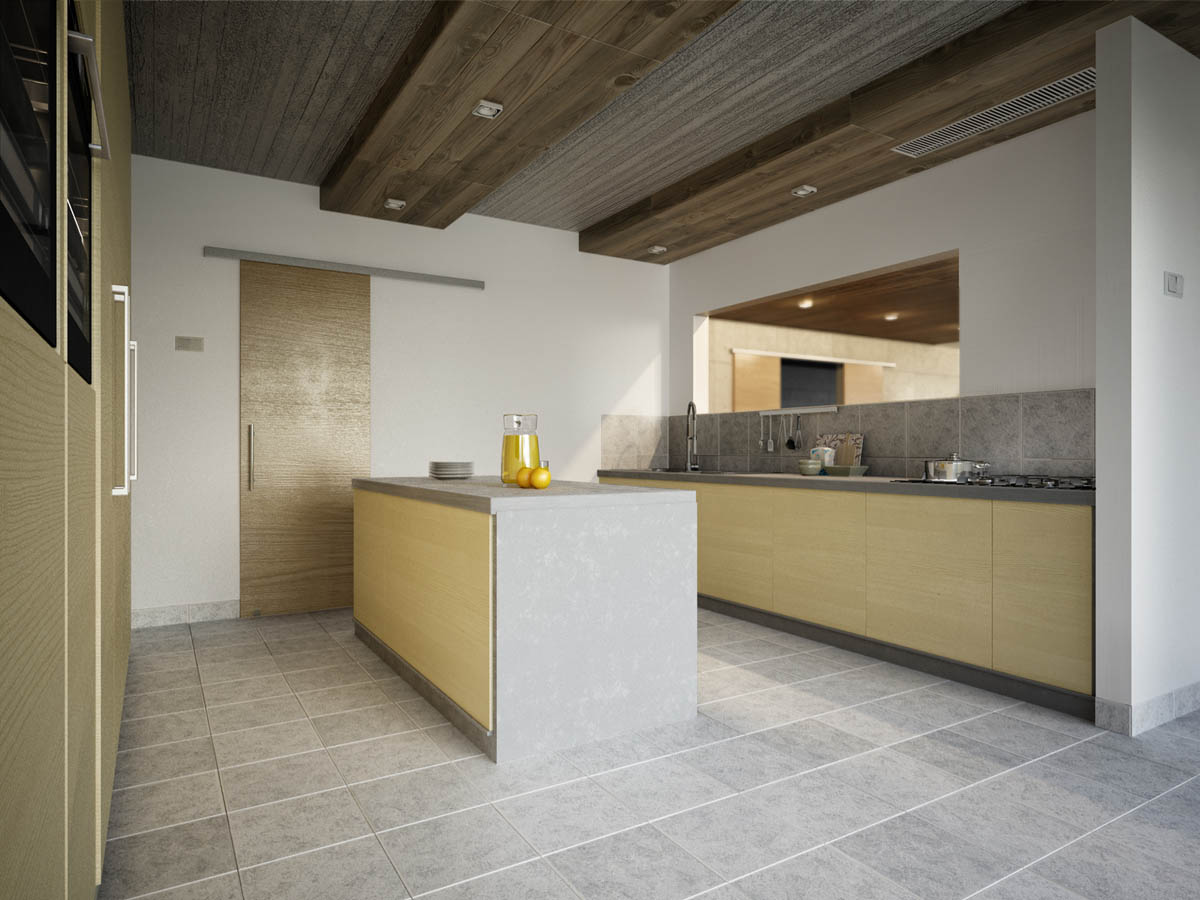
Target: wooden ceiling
[[553, 64], [922, 294], [845, 148], [269, 87]]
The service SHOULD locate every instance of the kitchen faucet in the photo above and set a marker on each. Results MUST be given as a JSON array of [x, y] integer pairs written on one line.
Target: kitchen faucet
[[692, 464]]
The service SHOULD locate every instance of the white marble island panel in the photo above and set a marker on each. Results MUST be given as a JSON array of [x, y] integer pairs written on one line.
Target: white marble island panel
[[535, 620]]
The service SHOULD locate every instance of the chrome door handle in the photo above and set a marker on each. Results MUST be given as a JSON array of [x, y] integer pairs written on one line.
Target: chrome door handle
[[250, 483], [133, 406], [120, 294]]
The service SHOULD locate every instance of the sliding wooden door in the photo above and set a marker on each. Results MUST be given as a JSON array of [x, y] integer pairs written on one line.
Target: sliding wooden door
[[305, 423]]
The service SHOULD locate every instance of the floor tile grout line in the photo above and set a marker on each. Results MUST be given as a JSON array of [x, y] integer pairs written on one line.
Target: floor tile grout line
[[159, 715], [905, 812], [1082, 836], [794, 683], [121, 837], [743, 734], [752, 662], [142, 784], [540, 855], [258, 865], [359, 807], [184, 884], [445, 887]]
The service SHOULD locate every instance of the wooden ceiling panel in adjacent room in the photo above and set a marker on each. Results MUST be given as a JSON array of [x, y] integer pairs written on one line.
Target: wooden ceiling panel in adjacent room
[[846, 147], [913, 301], [551, 66]]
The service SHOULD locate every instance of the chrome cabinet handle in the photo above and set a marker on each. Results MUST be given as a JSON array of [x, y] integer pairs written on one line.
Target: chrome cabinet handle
[[120, 294], [85, 46], [133, 435], [250, 484]]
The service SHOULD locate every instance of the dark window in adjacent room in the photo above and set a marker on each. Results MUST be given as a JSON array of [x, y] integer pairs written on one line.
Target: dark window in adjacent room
[[804, 383]]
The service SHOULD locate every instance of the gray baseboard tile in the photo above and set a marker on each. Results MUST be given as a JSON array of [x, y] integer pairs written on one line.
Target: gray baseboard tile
[[218, 609], [1127, 719], [1113, 716], [179, 613]]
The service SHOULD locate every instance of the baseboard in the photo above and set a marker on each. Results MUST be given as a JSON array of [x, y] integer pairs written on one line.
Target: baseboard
[[1133, 719], [1081, 705], [178, 614], [458, 717]]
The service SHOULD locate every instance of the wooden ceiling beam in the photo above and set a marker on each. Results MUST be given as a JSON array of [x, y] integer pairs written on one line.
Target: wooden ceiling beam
[[845, 148], [551, 65]]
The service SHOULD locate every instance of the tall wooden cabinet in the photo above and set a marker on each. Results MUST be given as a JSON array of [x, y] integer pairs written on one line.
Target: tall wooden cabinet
[[64, 536]]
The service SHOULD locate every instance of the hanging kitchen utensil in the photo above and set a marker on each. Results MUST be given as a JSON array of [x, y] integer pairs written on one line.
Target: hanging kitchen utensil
[[791, 437], [770, 434], [761, 442]]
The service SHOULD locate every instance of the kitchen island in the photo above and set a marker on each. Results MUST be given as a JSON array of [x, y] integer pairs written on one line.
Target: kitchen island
[[533, 620], [990, 585]]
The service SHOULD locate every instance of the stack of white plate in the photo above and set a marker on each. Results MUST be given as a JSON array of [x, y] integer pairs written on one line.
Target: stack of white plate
[[451, 469]]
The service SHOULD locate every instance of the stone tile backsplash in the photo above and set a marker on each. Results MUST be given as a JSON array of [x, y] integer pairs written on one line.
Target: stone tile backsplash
[[1043, 433]]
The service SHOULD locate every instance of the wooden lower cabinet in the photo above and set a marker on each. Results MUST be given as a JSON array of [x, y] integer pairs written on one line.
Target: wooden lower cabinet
[[1042, 593], [999, 584], [820, 557], [929, 575], [736, 548]]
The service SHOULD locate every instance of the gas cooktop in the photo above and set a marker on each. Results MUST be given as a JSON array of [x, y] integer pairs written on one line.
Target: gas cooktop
[[1063, 483]]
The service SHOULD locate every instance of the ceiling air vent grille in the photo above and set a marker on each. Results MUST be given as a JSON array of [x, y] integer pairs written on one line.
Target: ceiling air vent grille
[[1002, 113]]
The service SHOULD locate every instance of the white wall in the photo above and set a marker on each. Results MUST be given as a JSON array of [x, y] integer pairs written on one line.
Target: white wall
[[1022, 216], [1148, 169], [568, 335]]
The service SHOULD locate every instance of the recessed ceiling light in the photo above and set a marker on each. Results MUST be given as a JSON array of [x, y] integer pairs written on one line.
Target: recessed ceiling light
[[891, 317], [656, 250], [803, 191], [806, 303], [394, 203], [487, 109]]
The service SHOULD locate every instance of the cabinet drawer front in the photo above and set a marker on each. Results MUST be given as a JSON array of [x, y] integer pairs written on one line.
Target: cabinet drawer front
[[821, 557], [735, 544], [1042, 593], [929, 575]]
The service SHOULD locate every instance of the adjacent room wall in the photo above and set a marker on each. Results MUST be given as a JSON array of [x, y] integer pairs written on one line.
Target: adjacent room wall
[[1022, 216], [1148, 176], [922, 371], [564, 334]]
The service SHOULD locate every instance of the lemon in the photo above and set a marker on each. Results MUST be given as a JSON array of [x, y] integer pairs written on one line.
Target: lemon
[[523, 476], [539, 478]]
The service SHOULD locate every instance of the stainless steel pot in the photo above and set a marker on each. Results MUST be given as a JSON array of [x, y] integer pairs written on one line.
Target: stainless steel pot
[[953, 468]]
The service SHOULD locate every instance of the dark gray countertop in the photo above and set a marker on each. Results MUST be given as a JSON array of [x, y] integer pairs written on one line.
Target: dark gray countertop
[[866, 484], [490, 495]]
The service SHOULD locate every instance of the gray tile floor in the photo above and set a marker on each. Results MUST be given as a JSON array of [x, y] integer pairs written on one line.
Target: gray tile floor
[[278, 758]]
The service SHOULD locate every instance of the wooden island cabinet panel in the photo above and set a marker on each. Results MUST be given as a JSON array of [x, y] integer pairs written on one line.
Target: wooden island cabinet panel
[[423, 585], [1042, 593], [929, 575], [820, 557]]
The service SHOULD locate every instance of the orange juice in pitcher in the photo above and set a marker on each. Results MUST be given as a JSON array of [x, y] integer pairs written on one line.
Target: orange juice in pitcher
[[520, 447]]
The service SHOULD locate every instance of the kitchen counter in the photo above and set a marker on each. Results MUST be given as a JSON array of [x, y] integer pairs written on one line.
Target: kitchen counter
[[491, 495], [534, 620], [866, 484]]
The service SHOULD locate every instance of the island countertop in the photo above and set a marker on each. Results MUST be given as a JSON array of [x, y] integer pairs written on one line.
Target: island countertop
[[490, 495], [865, 483]]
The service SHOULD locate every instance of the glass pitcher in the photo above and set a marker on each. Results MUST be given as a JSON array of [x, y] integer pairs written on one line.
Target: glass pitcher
[[520, 447]]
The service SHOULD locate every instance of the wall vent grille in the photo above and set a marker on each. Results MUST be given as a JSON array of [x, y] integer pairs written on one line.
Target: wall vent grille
[[1002, 113]]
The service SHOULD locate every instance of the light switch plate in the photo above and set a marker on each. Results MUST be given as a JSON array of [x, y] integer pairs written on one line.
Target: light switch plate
[[1172, 284]]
